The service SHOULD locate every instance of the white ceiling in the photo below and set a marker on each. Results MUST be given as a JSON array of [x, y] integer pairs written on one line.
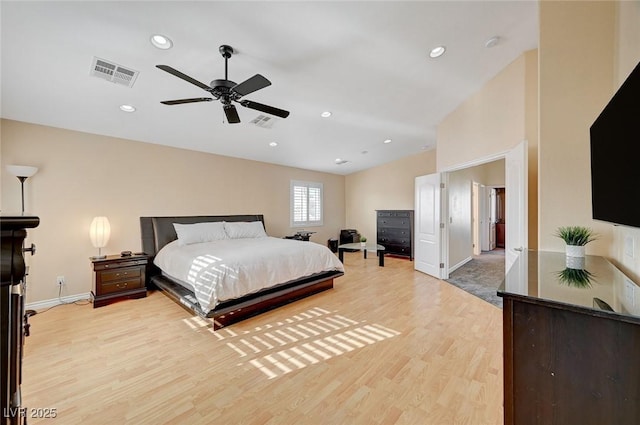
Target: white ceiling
[[365, 61]]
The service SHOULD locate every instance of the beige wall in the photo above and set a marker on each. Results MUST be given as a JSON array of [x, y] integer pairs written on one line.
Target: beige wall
[[576, 82], [84, 175], [627, 57], [488, 123], [531, 135], [500, 115], [389, 186]]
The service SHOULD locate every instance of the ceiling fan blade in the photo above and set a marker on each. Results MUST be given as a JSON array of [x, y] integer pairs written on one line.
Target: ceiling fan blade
[[265, 108], [181, 101], [254, 83], [185, 77], [232, 114]]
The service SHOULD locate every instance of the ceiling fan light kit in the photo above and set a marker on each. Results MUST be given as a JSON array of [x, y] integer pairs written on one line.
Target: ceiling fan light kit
[[227, 91]]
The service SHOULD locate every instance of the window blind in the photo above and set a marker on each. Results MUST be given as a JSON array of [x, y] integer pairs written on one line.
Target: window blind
[[306, 204]]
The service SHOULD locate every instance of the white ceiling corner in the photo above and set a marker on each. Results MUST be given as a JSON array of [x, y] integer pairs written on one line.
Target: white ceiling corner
[[366, 61]]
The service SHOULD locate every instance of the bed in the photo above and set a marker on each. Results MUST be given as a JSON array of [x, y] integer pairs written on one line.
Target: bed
[[187, 280]]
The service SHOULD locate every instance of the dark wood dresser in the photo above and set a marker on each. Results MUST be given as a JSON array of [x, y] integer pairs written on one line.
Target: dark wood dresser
[[118, 278], [14, 325], [571, 342], [395, 232]]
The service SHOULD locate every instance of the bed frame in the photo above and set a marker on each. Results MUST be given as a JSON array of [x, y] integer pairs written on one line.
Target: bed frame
[[156, 232]]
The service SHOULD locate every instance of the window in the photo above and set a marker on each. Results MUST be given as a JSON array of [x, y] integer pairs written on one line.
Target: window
[[306, 204]]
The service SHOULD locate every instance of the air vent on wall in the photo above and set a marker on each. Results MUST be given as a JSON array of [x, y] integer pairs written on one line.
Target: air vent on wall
[[263, 121], [111, 71]]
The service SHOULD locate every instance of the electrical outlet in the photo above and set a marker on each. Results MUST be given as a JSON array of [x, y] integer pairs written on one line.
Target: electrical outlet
[[60, 280], [628, 246]]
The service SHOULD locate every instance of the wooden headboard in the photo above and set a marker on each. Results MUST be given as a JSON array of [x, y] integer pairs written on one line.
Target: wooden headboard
[[156, 232]]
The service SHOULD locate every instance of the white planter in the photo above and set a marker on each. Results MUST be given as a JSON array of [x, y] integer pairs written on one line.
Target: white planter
[[363, 244], [576, 263], [575, 251]]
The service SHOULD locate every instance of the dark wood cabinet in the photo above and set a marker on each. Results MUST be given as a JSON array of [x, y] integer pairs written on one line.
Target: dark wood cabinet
[[118, 278], [395, 232], [571, 342], [13, 319]]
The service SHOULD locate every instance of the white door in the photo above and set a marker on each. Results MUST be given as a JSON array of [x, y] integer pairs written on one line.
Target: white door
[[492, 219], [484, 218], [475, 217], [428, 229], [516, 217]]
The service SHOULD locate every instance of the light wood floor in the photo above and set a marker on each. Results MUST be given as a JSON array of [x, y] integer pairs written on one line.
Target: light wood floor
[[385, 346]]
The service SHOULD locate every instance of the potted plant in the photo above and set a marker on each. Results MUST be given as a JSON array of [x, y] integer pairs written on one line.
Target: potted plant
[[363, 241], [576, 237]]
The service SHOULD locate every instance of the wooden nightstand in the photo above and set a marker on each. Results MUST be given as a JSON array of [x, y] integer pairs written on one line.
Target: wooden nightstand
[[118, 278]]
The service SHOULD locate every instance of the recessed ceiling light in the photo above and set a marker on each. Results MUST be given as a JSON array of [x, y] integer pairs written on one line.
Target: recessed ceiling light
[[386, 142], [161, 42], [492, 42], [127, 108], [325, 114], [273, 144], [437, 51]]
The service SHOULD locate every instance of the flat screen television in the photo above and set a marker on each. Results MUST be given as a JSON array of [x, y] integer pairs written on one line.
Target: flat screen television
[[615, 157]]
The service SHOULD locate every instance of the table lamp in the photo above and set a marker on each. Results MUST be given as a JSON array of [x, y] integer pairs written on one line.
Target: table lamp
[[99, 232]]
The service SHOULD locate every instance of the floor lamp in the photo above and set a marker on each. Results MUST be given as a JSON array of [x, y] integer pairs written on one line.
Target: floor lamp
[[22, 172]]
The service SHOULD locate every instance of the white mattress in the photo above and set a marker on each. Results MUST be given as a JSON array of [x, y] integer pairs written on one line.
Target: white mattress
[[231, 268]]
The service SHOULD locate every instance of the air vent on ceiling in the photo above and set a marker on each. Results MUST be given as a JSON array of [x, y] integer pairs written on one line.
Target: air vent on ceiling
[[111, 71], [263, 121], [341, 161]]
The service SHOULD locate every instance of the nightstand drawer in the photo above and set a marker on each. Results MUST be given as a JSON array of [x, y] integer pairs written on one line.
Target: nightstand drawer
[[120, 285], [120, 274], [119, 264]]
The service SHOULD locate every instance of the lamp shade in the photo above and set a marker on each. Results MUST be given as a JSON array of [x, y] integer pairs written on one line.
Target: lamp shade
[[100, 232], [22, 170]]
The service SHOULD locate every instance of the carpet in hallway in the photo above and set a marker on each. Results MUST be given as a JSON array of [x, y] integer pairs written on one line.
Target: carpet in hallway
[[481, 276]]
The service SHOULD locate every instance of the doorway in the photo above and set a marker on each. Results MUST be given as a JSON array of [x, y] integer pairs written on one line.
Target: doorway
[[487, 213], [450, 242]]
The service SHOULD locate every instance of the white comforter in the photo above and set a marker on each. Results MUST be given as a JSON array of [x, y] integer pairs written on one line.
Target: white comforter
[[230, 268]]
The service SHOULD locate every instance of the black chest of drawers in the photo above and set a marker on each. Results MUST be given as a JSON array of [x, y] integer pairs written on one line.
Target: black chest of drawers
[[395, 232]]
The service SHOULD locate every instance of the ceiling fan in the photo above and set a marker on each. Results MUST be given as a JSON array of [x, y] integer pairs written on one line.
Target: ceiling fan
[[227, 91]]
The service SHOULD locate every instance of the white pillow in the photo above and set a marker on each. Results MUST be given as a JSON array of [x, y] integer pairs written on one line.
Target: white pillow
[[199, 232], [245, 229]]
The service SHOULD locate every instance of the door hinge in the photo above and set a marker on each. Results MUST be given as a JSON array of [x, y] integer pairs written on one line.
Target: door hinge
[[442, 225], [442, 265], [441, 185]]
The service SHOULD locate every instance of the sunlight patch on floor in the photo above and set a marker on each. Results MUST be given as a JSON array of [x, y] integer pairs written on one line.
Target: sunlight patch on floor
[[302, 340]]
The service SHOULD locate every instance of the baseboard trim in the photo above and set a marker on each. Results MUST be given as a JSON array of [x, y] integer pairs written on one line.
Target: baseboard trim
[[41, 305], [460, 264]]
